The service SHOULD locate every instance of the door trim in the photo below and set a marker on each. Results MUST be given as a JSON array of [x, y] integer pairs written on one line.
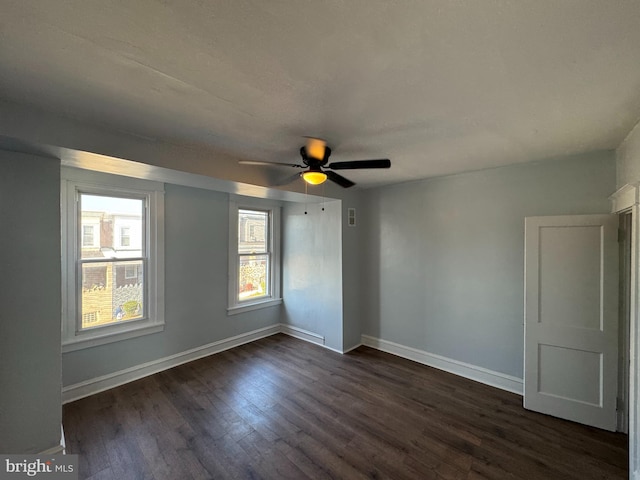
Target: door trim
[[627, 198], [624, 248]]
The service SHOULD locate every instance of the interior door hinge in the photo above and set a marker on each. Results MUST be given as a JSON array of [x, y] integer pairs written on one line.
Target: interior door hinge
[[619, 404]]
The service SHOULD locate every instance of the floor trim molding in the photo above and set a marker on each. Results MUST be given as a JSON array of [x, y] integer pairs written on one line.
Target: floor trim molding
[[55, 450], [353, 347], [115, 379], [92, 386], [302, 334], [467, 370]]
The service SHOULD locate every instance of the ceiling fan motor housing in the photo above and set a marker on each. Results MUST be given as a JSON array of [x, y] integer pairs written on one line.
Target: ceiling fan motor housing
[[315, 162]]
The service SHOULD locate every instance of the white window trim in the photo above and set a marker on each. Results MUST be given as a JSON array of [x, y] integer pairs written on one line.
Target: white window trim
[[74, 180], [235, 306]]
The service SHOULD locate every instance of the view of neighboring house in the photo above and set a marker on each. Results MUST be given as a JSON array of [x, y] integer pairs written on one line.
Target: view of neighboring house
[[112, 265], [253, 251], [112, 259]]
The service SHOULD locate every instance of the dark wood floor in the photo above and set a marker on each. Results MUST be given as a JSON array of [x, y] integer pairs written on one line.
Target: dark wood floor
[[283, 408]]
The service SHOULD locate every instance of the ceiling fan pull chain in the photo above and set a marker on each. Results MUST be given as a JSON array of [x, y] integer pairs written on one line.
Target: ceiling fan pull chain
[[305, 198], [323, 197]]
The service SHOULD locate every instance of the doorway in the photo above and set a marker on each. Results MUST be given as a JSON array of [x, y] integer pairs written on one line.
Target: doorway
[[624, 240]]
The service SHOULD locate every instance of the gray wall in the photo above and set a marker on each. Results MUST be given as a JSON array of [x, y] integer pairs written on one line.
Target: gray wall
[[444, 269], [352, 260], [628, 159], [196, 285], [41, 129], [30, 398], [24, 127], [312, 270]]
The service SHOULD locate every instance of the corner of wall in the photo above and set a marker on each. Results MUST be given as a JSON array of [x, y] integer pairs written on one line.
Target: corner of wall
[[628, 158]]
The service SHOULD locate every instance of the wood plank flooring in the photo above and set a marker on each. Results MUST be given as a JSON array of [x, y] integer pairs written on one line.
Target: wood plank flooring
[[281, 408]]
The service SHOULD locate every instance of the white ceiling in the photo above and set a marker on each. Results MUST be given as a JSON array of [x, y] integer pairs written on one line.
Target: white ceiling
[[438, 87]]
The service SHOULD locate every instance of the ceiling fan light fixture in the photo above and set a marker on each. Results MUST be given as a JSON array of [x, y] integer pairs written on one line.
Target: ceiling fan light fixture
[[314, 177]]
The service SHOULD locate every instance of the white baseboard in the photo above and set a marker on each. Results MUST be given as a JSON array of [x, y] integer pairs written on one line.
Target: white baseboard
[[467, 370], [111, 380], [99, 384], [333, 349], [307, 336], [302, 334], [63, 442], [56, 450], [347, 350], [105, 382]]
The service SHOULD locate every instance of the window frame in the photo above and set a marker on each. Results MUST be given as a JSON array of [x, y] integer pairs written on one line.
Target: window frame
[[235, 305], [75, 182]]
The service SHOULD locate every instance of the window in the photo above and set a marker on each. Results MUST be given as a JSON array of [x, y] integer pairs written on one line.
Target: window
[[254, 258], [113, 290], [125, 236], [87, 236], [130, 271]]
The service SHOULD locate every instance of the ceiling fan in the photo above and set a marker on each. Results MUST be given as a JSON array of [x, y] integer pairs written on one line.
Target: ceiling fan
[[315, 155]]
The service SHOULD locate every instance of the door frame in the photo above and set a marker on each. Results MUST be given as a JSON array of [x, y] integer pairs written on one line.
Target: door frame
[[627, 199], [624, 241]]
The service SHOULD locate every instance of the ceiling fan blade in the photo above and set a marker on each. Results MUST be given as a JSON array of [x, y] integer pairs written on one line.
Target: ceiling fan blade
[[286, 181], [355, 164], [278, 164], [339, 179]]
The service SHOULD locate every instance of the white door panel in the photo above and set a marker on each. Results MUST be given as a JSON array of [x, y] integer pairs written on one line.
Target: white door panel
[[571, 319]]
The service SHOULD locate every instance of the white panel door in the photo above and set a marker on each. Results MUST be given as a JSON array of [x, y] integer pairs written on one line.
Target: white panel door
[[571, 318]]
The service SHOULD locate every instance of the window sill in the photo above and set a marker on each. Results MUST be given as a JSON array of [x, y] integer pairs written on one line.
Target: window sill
[[94, 339], [247, 307]]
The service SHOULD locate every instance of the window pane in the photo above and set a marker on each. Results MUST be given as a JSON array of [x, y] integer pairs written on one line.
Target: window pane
[[253, 231], [112, 292], [111, 227], [252, 276]]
